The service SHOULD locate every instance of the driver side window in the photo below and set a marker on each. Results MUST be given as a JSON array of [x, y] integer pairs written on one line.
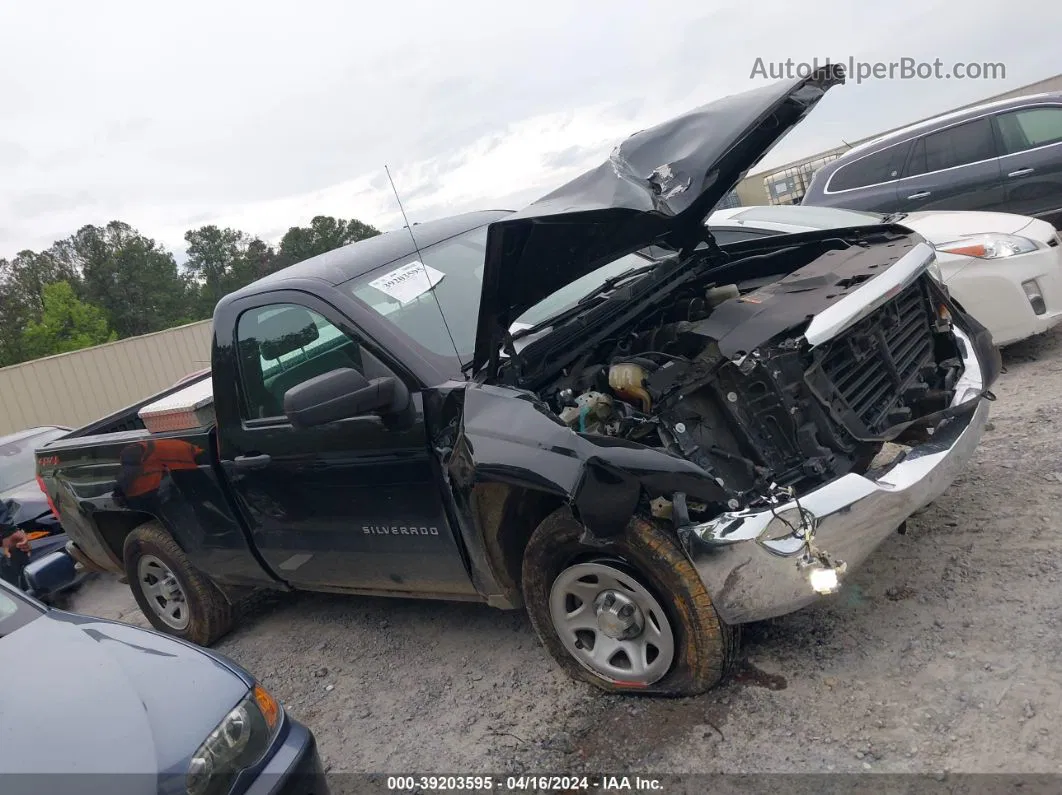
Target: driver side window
[[283, 345]]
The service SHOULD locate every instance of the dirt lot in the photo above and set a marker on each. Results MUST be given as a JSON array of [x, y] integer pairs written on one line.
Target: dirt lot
[[943, 654]]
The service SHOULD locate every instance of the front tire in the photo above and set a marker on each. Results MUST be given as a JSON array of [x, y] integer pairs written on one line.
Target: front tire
[[174, 596], [630, 617]]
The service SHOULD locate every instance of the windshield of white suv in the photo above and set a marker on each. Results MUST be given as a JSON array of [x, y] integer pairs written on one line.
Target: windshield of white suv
[[402, 292]]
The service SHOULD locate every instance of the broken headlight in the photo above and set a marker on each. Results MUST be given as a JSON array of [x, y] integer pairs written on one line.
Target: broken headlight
[[239, 741]]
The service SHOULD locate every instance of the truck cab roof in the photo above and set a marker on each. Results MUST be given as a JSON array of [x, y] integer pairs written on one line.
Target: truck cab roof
[[355, 259]]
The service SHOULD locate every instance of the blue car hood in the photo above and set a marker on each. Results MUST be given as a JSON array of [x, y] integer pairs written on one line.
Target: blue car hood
[[104, 707]]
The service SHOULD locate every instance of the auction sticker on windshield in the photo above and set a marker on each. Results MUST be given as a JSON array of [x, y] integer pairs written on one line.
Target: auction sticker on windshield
[[407, 282]]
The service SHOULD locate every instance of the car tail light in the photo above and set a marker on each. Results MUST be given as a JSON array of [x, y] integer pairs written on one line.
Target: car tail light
[[47, 496]]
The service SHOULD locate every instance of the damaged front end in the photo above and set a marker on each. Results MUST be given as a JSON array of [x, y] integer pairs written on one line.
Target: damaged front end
[[781, 443], [498, 435], [763, 561], [744, 395]]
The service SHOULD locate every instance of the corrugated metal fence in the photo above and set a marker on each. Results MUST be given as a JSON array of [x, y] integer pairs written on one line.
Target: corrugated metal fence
[[76, 388]]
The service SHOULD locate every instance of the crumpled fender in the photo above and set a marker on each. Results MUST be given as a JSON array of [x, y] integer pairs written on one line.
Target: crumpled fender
[[506, 435]]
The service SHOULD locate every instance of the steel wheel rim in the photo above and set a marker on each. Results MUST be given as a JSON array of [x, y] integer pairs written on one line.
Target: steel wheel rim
[[587, 624], [163, 592]]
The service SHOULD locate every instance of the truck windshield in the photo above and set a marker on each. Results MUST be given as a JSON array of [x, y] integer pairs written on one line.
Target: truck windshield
[[401, 292]]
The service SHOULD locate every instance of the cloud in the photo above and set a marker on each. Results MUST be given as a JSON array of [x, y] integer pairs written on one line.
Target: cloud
[[502, 170], [31, 205], [12, 154], [261, 115]]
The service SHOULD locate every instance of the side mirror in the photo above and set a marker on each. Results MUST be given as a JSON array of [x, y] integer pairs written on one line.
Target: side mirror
[[340, 394]]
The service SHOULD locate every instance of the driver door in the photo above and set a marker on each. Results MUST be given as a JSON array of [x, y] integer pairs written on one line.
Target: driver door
[[348, 505]]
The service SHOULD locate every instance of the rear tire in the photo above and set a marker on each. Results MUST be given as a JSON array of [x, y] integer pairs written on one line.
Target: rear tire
[[641, 571], [172, 594]]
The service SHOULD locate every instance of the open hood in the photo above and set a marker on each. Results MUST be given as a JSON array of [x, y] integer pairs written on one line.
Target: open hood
[[656, 187]]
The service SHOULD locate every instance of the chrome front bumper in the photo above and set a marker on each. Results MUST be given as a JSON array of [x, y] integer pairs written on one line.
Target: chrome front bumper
[[750, 561]]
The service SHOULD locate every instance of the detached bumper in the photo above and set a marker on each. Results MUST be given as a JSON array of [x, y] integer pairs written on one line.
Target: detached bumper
[[749, 560]]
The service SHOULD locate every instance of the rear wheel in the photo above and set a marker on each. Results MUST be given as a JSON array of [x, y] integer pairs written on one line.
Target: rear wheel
[[630, 617], [175, 597]]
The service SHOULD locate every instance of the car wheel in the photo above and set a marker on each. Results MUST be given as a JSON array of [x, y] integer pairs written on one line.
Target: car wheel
[[175, 597], [631, 617]]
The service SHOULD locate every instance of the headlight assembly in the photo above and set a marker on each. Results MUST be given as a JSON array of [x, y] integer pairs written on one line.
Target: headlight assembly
[[989, 246], [238, 742]]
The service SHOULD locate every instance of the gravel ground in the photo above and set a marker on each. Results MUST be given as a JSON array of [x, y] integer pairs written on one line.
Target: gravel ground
[[942, 655]]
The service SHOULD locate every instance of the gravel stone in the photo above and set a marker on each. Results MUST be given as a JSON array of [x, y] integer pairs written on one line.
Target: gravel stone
[[402, 669]]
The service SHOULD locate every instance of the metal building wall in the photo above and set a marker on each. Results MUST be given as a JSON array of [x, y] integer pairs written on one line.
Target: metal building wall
[[76, 388]]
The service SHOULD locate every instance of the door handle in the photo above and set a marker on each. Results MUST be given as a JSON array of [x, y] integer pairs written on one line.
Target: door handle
[[1021, 172], [920, 195], [251, 461]]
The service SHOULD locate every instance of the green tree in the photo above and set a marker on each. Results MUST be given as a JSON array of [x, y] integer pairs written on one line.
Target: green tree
[[130, 276], [66, 324], [223, 260], [211, 252], [324, 233], [258, 259], [22, 283], [33, 271], [13, 317], [138, 284]]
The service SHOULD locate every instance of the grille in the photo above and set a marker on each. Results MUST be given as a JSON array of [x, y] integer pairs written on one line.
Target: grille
[[875, 371]]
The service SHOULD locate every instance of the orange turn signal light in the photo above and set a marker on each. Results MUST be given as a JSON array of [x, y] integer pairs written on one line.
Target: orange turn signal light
[[972, 250], [269, 706]]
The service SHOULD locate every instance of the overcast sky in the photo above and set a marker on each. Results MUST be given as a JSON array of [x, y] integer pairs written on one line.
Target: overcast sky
[[262, 114]]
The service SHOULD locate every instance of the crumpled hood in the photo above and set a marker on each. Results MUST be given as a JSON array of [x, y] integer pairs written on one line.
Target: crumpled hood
[[87, 696], [943, 227], [656, 187]]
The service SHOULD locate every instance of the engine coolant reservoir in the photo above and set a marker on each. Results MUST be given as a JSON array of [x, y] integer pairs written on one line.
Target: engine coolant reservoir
[[627, 381], [724, 292]]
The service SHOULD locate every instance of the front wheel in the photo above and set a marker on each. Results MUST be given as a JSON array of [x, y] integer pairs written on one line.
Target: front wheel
[[175, 597], [630, 617]]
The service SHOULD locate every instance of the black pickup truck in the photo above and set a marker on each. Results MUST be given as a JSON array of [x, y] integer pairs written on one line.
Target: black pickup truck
[[586, 408]]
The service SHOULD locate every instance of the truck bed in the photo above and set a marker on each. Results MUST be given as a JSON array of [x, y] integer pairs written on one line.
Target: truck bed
[[126, 419], [106, 484]]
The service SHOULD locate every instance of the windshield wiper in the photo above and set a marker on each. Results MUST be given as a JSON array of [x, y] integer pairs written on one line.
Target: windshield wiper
[[891, 218], [552, 320], [579, 305], [614, 281]]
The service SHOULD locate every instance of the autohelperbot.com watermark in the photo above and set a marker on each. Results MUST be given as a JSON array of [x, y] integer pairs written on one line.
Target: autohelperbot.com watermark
[[900, 69]]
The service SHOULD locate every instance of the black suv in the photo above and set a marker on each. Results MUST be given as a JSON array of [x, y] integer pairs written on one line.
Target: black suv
[[1004, 156]]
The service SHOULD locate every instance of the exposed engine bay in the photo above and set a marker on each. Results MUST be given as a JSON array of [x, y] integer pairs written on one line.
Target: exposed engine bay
[[781, 415]]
